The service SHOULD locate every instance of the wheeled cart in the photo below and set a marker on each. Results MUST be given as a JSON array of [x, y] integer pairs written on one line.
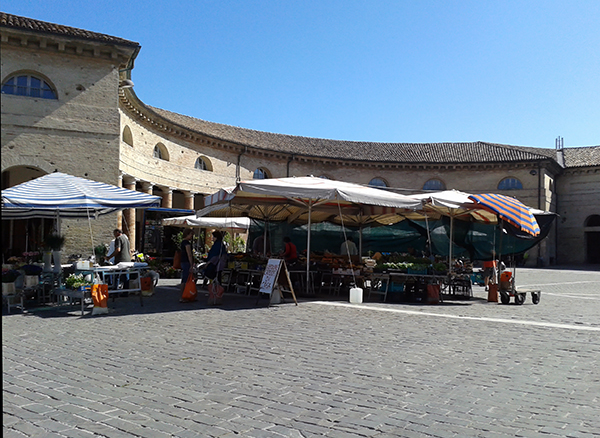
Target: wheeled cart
[[508, 289], [520, 295]]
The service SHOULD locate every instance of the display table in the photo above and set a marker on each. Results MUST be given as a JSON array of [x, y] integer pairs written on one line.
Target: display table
[[246, 281], [413, 285], [127, 273]]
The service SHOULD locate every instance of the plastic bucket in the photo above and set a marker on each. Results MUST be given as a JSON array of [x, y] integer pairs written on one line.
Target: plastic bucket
[[356, 295]]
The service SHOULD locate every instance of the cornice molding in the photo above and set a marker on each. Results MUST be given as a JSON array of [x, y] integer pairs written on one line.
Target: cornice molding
[[137, 110], [22, 39]]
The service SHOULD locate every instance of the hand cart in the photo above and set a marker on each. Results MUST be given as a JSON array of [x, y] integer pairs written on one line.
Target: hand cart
[[507, 289]]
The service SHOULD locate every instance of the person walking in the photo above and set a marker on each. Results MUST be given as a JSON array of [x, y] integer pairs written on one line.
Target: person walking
[[187, 257]]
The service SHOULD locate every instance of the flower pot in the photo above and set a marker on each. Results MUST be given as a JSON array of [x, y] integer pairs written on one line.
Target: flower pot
[[8, 288], [31, 281], [47, 261], [56, 258]]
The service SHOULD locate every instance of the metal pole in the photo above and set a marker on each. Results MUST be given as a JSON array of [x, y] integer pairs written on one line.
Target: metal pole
[[451, 236], [308, 248]]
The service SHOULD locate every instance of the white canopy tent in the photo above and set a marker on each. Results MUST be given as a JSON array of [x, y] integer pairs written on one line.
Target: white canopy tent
[[455, 204], [304, 200], [235, 224]]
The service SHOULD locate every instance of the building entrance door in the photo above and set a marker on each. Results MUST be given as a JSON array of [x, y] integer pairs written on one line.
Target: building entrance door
[[592, 243]]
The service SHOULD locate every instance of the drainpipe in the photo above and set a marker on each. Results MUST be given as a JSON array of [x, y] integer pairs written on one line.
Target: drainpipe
[[540, 187], [288, 165], [539, 247], [238, 166], [130, 63]]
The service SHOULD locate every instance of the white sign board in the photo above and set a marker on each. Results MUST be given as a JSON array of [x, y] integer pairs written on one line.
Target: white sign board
[[270, 276]]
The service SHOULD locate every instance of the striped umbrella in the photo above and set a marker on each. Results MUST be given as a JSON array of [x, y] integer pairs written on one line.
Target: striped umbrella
[[61, 195], [510, 210]]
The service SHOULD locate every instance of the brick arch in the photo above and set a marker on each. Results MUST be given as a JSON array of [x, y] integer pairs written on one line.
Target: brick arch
[[9, 161], [15, 175]]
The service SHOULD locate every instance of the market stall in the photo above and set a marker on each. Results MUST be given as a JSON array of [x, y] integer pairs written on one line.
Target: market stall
[[306, 200], [58, 195]]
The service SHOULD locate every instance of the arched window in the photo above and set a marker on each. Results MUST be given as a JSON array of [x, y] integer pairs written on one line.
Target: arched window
[[378, 182], [128, 136], [593, 221], [160, 152], [434, 184], [202, 164], [28, 85], [510, 183], [260, 173]]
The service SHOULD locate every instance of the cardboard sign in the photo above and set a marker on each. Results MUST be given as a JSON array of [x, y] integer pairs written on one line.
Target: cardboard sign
[[270, 276]]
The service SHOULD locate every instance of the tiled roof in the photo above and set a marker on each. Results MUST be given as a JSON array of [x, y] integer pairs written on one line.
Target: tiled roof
[[582, 156], [29, 24], [471, 152]]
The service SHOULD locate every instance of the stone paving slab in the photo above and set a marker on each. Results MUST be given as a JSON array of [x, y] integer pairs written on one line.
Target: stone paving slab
[[322, 368]]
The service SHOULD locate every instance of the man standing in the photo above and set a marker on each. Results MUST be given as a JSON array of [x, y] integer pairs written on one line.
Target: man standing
[[122, 251], [349, 247]]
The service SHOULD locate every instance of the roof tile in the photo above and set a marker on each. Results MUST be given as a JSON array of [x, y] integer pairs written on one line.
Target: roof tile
[[447, 153], [30, 24]]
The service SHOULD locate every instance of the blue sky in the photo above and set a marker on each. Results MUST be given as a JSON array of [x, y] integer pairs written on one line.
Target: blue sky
[[512, 72]]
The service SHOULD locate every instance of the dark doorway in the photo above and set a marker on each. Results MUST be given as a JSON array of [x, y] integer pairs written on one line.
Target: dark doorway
[[592, 240]]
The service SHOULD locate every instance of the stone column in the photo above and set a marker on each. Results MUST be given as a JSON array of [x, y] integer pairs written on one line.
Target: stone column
[[167, 197], [147, 187], [129, 215], [120, 212], [189, 200]]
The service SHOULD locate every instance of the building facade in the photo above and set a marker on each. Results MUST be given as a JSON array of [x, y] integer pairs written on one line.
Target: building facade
[[68, 106]]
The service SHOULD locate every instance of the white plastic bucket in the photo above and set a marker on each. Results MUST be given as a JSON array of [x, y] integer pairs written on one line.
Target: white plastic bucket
[[356, 295]]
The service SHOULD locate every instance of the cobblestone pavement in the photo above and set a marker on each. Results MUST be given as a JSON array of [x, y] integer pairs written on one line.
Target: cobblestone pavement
[[322, 368]]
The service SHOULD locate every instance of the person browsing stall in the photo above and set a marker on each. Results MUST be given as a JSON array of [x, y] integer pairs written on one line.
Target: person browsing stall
[[290, 253], [258, 245], [489, 272], [217, 255], [349, 247]]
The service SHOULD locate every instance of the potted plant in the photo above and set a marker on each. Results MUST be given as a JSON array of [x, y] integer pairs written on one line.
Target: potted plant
[[9, 276], [100, 252], [76, 281], [55, 242], [32, 275]]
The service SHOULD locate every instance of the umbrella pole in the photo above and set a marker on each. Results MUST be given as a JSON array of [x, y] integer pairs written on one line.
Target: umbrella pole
[[308, 248], [360, 251], [500, 250], [428, 235], [450, 250], [266, 224]]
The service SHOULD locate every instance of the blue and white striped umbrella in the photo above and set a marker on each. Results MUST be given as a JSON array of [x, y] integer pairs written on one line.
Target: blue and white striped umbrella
[[61, 195]]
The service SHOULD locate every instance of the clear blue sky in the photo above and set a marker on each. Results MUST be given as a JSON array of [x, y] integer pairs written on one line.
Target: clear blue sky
[[513, 72]]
